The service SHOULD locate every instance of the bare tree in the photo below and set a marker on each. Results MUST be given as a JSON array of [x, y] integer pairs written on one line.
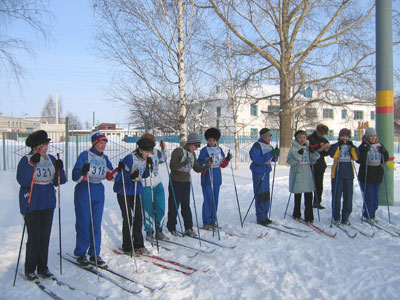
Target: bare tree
[[49, 110], [73, 121], [33, 14], [322, 43], [151, 43]]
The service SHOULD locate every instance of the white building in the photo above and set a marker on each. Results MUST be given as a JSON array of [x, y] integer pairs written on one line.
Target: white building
[[255, 114]]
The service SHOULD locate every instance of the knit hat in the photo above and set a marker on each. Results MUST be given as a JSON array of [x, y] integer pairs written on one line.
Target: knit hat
[[148, 136], [345, 131], [369, 131], [265, 132], [298, 133], [97, 136], [193, 139], [37, 138], [322, 129], [212, 133], [145, 144]]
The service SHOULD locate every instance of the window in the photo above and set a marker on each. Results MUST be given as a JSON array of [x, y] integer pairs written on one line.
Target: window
[[254, 132], [311, 112], [218, 111], [253, 110], [218, 123], [344, 114], [327, 113], [358, 115], [274, 108], [372, 115], [330, 133]]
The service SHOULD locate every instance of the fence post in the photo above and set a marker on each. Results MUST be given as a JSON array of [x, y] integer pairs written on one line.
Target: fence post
[[66, 146], [4, 151], [77, 147]]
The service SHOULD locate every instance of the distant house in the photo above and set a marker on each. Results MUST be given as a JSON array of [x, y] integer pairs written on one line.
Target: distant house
[[107, 126]]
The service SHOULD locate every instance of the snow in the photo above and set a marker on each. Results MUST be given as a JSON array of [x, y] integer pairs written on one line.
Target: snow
[[279, 266]]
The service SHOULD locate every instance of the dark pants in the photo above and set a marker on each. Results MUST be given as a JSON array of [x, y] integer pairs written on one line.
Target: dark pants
[[181, 190], [308, 211], [38, 224], [319, 184], [341, 187], [137, 222]]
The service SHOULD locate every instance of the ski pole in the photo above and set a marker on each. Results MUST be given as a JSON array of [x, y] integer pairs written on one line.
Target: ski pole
[[91, 222], [255, 195], [334, 194], [195, 210], [154, 207], [26, 212], [290, 191], [213, 200], [315, 191], [237, 198], [272, 188], [59, 213], [127, 217], [386, 189]]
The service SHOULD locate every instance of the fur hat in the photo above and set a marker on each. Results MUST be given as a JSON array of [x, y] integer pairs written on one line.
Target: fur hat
[[369, 131], [148, 136], [97, 136], [345, 131], [145, 144], [37, 138], [193, 139], [299, 133], [265, 132], [322, 129], [212, 133]]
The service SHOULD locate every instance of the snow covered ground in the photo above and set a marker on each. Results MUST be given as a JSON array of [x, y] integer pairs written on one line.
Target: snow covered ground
[[278, 266]]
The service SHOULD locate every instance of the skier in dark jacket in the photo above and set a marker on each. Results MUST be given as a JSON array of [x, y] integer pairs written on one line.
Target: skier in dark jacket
[[39, 217], [321, 145], [372, 157]]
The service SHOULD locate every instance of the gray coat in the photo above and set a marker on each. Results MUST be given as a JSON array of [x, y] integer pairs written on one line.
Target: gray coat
[[300, 177]]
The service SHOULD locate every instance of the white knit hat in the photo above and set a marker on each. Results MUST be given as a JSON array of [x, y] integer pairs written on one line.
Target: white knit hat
[[369, 131]]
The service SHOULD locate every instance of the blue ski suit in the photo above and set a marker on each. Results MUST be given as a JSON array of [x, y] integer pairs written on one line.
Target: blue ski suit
[[261, 157], [100, 169]]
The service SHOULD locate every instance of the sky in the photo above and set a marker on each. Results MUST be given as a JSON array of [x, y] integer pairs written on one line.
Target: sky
[[67, 65]]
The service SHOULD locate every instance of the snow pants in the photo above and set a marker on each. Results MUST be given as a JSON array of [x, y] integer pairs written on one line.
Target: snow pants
[[38, 224], [262, 197], [179, 191], [210, 205], [159, 200], [341, 187], [308, 210], [371, 196], [83, 226]]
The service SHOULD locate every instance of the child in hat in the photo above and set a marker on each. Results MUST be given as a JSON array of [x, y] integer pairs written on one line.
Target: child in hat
[[372, 157], [41, 171], [300, 158], [211, 188], [343, 152]]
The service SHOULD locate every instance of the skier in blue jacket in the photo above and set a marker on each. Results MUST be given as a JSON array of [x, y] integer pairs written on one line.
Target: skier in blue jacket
[[135, 166], [91, 167], [211, 191], [261, 154], [39, 215]]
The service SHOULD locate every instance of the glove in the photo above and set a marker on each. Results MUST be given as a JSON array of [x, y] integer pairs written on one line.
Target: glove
[[149, 162], [162, 145], [311, 150], [35, 158], [59, 164], [85, 169], [367, 146], [209, 162], [135, 175], [350, 143], [301, 151], [186, 161], [228, 156], [121, 166], [275, 151], [382, 149]]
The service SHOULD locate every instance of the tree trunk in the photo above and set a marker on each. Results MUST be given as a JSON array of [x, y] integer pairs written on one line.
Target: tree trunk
[[181, 70]]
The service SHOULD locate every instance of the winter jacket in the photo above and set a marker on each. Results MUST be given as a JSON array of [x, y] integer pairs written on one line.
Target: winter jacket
[[261, 157], [342, 155], [315, 144], [46, 178], [219, 162], [301, 178], [376, 155]]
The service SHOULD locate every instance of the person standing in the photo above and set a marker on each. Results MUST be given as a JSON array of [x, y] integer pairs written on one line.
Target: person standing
[[135, 168], [211, 191], [91, 167], [261, 155], [320, 144], [342, 176], [39, 216], [183, 159], [300, 158], [372, 156]]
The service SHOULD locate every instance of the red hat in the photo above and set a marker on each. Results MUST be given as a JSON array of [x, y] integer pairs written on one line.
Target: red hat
[[97, 137]]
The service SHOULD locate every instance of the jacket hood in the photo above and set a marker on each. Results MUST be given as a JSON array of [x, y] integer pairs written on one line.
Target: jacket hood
[[297, 145]]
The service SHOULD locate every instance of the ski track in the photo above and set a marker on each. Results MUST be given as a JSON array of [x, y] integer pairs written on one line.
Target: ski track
[[279, 266]]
